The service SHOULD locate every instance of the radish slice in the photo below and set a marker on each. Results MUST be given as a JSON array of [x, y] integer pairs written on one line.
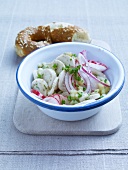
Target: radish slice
[[91, 75], [97, 65], [57, 97], [62, 98], [37, 93], [51, 100]]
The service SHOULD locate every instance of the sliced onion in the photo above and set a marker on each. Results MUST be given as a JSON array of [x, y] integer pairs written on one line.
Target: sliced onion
[[97, 72], [86, 80], [84, 53], [91, 75], [67, 82], [71, 80], [81, 58], [94, 83], [74, 82]]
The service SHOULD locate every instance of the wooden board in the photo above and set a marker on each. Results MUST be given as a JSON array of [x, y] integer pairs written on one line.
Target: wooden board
[[29, 119]]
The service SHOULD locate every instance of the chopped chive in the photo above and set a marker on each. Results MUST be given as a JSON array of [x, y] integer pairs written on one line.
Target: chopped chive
[[101, 96], [63, 102], [69, 98], [39, 76], [55, 66], [45, 87], [105, 80], [79, 94], [84, 88], [74, 55], [72, 70]]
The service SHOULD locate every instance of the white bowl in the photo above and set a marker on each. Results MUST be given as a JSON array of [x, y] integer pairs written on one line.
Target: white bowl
[[115, 74]]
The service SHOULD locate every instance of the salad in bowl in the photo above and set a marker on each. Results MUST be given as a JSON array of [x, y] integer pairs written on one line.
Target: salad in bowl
[[70, 79]]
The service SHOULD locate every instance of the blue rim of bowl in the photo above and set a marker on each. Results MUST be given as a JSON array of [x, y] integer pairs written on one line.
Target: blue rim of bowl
[[78, 108]]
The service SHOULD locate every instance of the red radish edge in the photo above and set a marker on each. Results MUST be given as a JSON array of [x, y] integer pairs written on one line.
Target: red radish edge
[[47, 99], [57, 97], [97, 65], [36, 92]]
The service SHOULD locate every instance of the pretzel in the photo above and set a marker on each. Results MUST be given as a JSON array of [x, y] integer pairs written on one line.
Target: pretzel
[[33, 38]]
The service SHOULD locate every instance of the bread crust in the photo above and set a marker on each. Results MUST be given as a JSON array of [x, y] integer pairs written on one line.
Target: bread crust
[[32, 38]]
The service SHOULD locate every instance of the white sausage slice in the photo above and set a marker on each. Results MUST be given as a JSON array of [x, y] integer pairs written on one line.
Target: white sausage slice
[[44, 65], [35, 74], [40, 85], [40, 71], [61, 83], [54, 86], [67, 59], [58, 66], [48, 75]]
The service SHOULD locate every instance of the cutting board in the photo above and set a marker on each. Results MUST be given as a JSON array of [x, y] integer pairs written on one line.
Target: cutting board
[[29, 119]]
